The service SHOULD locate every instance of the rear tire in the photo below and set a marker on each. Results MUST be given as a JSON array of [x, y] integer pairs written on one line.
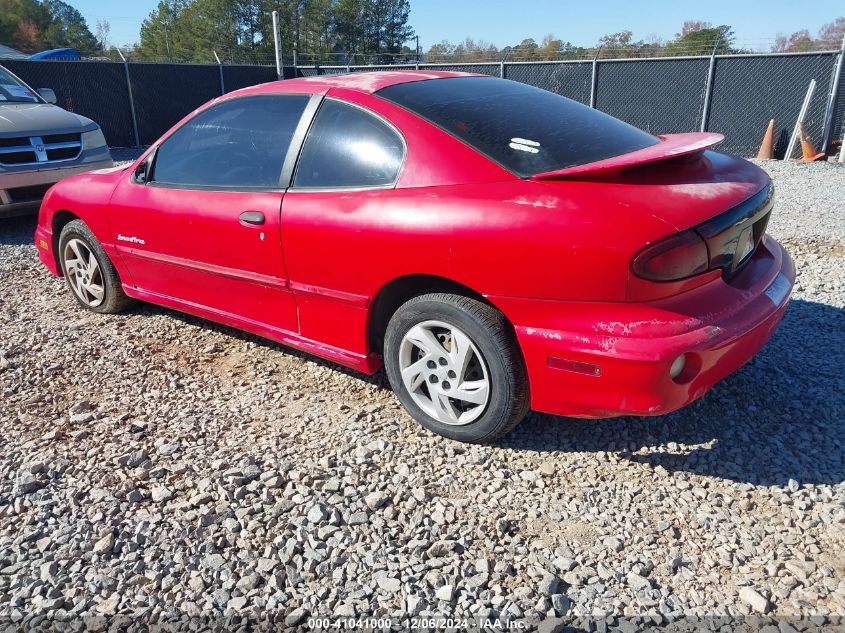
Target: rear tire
[[455, 365], [89, 272]]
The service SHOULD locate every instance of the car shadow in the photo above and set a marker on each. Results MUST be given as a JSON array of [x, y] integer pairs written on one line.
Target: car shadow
[[379, 379], [780, 417]]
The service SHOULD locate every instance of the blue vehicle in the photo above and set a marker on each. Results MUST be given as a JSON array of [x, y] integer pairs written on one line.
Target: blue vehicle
[[67, 54]]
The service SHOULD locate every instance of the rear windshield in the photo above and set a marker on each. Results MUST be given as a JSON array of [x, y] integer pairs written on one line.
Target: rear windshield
[[524, 129]]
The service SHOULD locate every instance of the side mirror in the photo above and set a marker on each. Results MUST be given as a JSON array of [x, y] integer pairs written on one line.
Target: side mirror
[[47, 94], [141, 173], [144, 171]]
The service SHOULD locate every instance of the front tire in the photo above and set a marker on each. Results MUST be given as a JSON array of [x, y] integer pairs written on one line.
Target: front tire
[[455, 365], [89, 272]]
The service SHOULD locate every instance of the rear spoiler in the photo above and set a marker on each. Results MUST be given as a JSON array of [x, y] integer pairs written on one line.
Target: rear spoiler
[[670, 146]]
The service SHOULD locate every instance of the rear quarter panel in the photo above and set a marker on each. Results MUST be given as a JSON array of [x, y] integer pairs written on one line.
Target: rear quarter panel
[[513, 238]]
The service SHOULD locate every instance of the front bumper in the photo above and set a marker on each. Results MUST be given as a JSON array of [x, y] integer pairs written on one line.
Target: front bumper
[[597, 360], [44, 244], [22, 191]]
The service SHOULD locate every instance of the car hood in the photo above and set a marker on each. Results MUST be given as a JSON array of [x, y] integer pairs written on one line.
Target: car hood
[[29, 119]]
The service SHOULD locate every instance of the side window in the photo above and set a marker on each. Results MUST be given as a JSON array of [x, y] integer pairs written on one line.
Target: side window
[[238, 143], [347, 147]]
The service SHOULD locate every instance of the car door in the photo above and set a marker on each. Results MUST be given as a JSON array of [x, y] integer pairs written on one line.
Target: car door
[[198, 224], [344, 183]]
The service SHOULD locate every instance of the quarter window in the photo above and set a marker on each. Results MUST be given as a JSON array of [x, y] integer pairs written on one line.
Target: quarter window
[[348, 148], [239, 143]]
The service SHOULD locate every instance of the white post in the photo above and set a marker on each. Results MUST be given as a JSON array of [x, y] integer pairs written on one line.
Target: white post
[[220, 71], [832, 98], [842, 150], [131, 99], [803, 113], [708, 90], [594, 78], [277, 40]]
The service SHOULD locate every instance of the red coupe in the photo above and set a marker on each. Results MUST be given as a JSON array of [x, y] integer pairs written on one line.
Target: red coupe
[[496, 246]]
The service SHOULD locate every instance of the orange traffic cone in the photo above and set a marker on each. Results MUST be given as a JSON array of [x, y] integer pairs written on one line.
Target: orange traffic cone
[[808, 150], [767, 147]]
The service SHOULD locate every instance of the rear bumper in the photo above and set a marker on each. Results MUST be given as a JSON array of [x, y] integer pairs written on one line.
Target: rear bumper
[[594, 359], [22, 191]]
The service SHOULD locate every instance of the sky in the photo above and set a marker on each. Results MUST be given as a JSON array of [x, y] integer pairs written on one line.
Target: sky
[[504, 22]]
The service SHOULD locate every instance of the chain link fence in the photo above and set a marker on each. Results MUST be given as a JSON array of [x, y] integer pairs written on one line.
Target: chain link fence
[[570, 79], [660, 96], [750, 90], [240, 76], [164, 93], [736, 95]]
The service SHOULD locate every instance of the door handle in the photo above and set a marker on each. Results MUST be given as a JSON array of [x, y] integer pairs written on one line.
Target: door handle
[[252, 217]]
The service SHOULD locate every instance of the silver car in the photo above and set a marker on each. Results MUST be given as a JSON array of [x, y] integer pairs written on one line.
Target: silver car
[[40, 144]]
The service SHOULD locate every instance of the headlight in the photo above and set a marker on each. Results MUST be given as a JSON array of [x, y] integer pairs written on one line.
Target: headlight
[[93, 139]]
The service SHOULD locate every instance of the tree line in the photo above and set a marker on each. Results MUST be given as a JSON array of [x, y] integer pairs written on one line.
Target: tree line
[[695, 37], [322, 31], [339, 32], [829, 37]]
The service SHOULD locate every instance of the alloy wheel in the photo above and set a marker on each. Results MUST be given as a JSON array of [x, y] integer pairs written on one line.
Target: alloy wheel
[[83, 273], [444, 372]]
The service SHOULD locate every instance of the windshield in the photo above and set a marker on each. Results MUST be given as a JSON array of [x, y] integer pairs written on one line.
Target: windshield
[[526, 130], [11, 89]]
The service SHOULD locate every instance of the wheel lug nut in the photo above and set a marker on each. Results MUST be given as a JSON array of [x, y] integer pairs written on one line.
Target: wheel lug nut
[[443, 362], [431, 364], [452, 374], [446, 384], [432, 379]]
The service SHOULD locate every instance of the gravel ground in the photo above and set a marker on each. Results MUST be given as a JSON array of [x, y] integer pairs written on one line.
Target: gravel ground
[[154, 464]]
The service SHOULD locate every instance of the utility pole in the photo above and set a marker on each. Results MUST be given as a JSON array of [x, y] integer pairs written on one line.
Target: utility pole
[[296, 34], [418, 49], [167, 41]]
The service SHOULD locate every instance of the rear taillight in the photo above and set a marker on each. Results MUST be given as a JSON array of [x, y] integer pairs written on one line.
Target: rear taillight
[[676, 257], [726, 241]]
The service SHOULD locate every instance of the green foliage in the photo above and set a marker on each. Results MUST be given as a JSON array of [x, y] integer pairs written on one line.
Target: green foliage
[[702, 39], [22, 24], [32, 26], [695, 38], [69, 29], [320, 31]]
